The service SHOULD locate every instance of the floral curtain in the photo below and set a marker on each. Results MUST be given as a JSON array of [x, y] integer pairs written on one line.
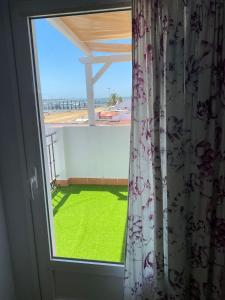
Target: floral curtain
[[176, 218]]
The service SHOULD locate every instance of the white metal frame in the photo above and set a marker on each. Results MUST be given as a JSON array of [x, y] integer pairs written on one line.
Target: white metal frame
[[103, 279]]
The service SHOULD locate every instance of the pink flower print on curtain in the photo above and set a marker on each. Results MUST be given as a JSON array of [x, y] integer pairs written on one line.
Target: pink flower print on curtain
[[176, 218]]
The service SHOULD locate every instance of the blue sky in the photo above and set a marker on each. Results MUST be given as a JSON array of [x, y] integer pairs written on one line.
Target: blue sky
[[61, 73]]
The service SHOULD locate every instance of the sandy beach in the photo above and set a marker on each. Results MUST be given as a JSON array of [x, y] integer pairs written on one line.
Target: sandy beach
[[67, 116]]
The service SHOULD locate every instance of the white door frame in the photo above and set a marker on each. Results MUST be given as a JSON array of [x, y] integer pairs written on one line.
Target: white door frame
[[58, 277]]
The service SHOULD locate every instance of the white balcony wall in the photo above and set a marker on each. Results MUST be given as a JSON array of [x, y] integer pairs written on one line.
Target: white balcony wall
[[92, 152], [59, 148]]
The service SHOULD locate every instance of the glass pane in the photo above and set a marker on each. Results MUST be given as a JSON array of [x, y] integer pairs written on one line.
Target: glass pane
[[84, 65]]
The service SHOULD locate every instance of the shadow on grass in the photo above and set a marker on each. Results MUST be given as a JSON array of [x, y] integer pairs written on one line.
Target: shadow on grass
[[60, 203], [77, 189], [119, 195], [118, 191]]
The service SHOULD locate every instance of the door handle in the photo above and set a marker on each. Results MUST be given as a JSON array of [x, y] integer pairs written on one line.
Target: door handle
[[34, 183]]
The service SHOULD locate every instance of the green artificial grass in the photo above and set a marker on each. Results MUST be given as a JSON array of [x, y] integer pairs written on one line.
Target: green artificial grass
[[90, 222]]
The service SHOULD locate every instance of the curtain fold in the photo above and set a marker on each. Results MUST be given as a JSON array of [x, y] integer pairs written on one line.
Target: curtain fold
[[176, 217]]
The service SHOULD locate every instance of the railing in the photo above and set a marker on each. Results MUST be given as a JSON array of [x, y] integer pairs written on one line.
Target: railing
[[68, 105], [50, 141], [63, 105]]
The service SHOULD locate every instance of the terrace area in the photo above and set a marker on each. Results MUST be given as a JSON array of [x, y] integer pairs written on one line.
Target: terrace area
[[88, 167], [87, 146], [98, 214]]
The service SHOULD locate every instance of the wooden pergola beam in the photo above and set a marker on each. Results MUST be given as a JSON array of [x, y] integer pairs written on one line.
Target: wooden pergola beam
[[100, 72], [105, 59], [72, 36]]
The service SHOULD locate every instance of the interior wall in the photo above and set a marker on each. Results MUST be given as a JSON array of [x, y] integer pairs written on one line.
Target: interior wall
[[7, 290]]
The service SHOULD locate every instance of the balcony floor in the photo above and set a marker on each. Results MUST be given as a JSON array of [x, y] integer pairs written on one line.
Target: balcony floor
[[90, 222]]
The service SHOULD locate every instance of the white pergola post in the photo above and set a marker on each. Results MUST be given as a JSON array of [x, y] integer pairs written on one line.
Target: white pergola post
[[91, 80], [90, 94]]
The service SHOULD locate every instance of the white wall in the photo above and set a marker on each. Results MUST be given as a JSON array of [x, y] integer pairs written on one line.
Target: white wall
[[92, 152], [7, 291]]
